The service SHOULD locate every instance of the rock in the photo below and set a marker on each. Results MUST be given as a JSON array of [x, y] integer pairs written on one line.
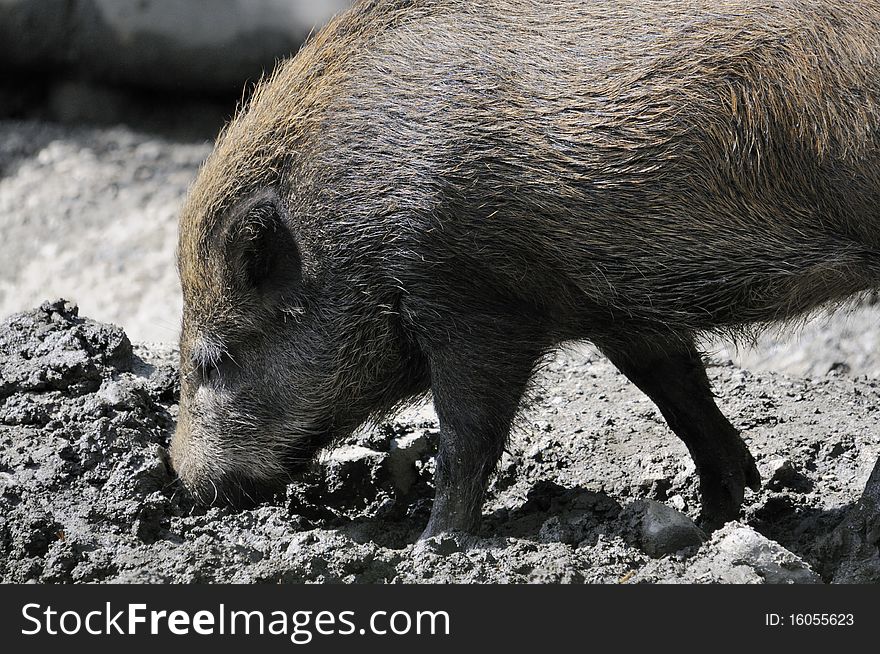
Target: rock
[[660, 530], [737, 545]]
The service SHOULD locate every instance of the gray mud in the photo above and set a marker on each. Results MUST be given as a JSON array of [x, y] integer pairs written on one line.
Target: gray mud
[[594, 487]]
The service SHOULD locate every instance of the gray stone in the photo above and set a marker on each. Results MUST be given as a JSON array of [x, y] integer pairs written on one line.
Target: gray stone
[[739, 545], [661, 530]]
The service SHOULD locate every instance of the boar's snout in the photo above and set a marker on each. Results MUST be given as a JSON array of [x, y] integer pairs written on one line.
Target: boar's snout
[[199, 467]]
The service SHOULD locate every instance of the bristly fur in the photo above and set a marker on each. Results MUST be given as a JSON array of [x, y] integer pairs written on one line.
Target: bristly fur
[[463, 186]]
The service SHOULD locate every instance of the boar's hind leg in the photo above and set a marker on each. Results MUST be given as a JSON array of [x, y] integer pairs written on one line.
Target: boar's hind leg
[[674, 377], [477, 390]]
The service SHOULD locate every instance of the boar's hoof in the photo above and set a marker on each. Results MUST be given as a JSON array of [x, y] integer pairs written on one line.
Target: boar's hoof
[[723, 488]]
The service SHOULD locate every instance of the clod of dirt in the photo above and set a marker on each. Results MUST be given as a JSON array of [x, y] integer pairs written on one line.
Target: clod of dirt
[[352, 473]]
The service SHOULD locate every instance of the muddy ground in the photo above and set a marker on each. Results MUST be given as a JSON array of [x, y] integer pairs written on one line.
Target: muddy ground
[[594, 487]]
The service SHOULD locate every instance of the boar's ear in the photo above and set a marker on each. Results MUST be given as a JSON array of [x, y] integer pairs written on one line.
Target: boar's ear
[[260, 248]]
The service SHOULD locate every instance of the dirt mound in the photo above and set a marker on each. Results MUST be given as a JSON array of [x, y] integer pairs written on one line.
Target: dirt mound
[[593, 488]]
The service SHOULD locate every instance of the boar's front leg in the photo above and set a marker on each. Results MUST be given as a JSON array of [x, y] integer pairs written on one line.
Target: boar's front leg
[[477, 387], [672, 374]]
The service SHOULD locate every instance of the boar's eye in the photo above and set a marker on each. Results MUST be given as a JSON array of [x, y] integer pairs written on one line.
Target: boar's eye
[[213, 375], [213, 372], [260, 247]]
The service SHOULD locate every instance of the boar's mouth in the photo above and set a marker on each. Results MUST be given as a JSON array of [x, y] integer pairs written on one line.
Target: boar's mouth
[[242, 491], [236, 491]]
